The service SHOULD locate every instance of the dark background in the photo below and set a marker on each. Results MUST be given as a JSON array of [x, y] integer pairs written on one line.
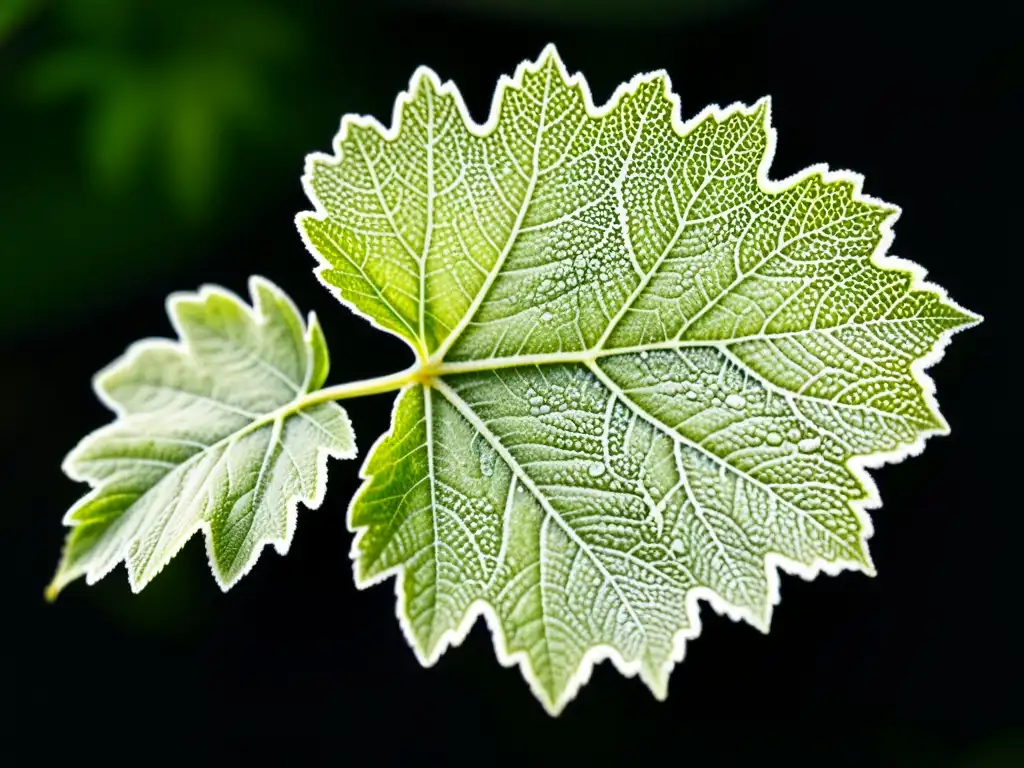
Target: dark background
[[147, 147]]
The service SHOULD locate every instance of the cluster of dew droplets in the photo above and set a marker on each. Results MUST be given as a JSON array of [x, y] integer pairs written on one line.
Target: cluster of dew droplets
[[486, 459], [475, 541], [569, 406], [719, 408], [577, 267], [706, 388]]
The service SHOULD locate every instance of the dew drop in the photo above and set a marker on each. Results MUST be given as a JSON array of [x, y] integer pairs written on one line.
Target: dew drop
[[486, 463], [546, 317], [809, 444], [735, 401], [596, 469], [793, 434], [773, 438], [692, 395]]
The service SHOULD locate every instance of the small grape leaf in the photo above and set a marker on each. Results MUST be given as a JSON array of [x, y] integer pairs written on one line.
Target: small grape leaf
[[212, 433], [649, 374]]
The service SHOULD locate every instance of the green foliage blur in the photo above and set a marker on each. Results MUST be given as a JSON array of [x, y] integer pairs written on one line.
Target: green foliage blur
[[137, 135], [127, 127], [152, 82]]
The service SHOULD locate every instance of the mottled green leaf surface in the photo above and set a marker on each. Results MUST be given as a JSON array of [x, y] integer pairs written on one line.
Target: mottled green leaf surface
[[648, 374], [212, 433]]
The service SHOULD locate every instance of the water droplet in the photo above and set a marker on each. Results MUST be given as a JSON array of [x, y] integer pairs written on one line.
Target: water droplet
[[809, 444], [793, 434], [643, 355], [774, 438], [546, 316], [596, 469], [692, 394], [735, 401], [486, 463]]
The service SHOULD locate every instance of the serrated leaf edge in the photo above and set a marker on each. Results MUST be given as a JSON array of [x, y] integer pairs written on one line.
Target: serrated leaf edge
[[773, 562], [281, 546]]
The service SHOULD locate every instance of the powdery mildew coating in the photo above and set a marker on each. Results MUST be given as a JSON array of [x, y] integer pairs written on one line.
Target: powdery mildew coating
[[651, 374]]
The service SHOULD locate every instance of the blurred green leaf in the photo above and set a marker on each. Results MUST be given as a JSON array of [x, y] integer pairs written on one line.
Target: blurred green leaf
[[154, 81], [13, 13], [70, 72], [143, 130], [119, 131]]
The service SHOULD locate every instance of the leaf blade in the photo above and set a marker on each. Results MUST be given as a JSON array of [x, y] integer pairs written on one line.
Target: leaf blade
[[190, 417], [674, 371]]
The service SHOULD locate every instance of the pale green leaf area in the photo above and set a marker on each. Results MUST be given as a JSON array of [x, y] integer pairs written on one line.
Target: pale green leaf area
[[649, 374], [214, 432]]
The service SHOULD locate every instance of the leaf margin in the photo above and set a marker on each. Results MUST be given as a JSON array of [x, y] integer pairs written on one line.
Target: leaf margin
[[774, 563], [318, 363]]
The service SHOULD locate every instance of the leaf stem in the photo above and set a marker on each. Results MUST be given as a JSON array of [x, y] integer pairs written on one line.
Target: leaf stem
[[373, 386]]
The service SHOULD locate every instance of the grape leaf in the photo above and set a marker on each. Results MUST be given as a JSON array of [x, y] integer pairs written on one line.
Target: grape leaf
[[648, 374], [214, 433]]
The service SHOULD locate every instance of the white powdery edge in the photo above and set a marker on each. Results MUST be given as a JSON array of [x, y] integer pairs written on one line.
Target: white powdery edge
[[281, 546], [773, 562]]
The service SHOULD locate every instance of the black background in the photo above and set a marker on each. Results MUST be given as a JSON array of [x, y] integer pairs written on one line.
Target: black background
[[916, 666]]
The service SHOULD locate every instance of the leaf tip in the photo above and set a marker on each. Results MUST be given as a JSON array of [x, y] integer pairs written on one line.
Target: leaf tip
[[970, 319], [867, 566], [51, 592], [549, 55], [761, 620], [551, 699], [423, 79], [263, 289], [656, 681], [552, 707]]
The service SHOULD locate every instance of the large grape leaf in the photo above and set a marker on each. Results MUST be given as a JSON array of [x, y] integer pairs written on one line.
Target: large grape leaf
[[649, 375], [215, 432]]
